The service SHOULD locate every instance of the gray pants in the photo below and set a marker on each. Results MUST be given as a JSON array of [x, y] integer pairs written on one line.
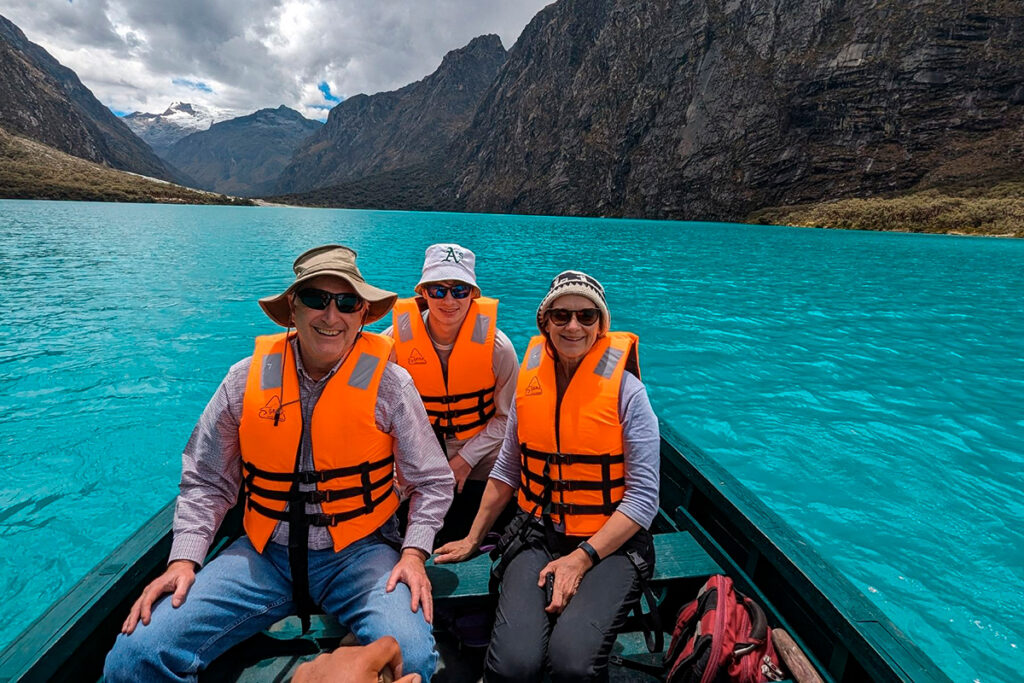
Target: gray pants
[[573, 646]]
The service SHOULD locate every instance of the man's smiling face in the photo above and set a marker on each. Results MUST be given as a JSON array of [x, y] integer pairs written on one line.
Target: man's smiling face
[[325, 336]]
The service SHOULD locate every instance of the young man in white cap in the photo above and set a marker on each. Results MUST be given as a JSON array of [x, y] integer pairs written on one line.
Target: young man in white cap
[[317, 423], [465, 371]]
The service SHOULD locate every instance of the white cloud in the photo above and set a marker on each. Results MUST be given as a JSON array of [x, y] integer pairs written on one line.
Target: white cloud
[[140, 55]]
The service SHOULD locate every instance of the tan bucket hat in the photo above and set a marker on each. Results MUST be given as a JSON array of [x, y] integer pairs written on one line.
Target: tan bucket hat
[[330, 259]]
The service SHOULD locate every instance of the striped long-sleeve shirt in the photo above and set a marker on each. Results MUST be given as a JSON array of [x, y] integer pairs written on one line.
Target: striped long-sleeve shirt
[[212, 462]]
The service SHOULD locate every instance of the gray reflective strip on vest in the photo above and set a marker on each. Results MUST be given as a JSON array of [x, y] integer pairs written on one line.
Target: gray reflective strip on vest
[[270, 373], [606, 366], [363, 372], [404, 327], [483, 323], [533, 360]]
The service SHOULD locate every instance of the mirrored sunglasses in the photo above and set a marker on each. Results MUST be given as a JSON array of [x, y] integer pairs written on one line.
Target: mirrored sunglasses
[[439, 291], [585, 316], [318, 299]]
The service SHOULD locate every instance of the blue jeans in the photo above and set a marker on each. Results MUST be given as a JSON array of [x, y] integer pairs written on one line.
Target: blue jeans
[[241, 592]]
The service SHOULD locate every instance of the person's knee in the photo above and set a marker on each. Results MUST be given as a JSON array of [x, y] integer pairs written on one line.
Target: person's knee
[[131, 657], [511, 663], [415, 637], [576, 659], [120, 662], [419, 654], [583, 669]]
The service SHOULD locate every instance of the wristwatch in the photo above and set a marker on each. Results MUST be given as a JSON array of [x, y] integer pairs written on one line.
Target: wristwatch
[[591, 553]]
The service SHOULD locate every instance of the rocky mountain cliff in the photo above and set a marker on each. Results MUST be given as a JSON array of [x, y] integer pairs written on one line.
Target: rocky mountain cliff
[[45, 101], [405, 128], [160, 131], [712, 108], [242, 156]]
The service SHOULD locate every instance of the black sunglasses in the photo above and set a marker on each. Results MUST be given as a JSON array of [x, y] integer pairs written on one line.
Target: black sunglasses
[[439, 291], [318, 299], [585, 316]]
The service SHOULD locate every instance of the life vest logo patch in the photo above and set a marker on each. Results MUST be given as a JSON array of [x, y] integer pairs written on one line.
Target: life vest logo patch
[[416, 358], [270, 411], [533, 388]]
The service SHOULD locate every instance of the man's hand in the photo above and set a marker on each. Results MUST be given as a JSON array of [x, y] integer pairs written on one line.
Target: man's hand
[[178, 577], [568, 570], [363, 664], [410, 570], [456, 551], [461, 470]]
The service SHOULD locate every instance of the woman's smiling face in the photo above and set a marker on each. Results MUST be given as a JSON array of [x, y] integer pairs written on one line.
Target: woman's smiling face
[[572, 341]]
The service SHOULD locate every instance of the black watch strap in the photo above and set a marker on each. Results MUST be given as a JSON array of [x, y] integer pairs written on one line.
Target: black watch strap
[[591, 553]]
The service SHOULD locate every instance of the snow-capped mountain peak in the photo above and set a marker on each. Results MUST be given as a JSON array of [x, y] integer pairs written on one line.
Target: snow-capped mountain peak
[[163, 130]]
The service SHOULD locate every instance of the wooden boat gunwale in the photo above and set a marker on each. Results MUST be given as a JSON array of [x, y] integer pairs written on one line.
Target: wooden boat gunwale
[[776, 566]]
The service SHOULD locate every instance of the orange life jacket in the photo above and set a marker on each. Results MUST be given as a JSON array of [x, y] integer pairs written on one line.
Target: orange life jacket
[[353, 460], [571, 452], [460, 406]]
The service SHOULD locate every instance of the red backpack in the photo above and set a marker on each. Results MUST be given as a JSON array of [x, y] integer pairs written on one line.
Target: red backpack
[[721, 636]]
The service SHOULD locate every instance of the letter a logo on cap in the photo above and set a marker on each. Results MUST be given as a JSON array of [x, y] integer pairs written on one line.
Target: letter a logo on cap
[[452, 255], [533, 388], [416, 358]]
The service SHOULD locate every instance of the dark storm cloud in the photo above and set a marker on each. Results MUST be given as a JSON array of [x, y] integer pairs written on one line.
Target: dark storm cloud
[[258, 53]]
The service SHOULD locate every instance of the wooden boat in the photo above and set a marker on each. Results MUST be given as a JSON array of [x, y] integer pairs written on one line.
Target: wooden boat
[[708, 523]]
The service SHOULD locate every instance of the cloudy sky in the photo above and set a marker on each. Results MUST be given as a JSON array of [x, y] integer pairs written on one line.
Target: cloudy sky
[[236, 56]]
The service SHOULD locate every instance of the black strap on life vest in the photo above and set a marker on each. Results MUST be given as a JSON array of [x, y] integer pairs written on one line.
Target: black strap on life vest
[[443, 420], [299, 520], [318, 476], [653, 633], [544, 499], [319, 518]]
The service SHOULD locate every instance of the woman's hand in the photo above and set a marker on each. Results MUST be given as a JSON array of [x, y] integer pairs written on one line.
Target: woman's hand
[[568, 570], [456, 551]]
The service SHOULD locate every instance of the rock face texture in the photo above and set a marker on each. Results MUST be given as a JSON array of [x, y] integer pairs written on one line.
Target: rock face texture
[[160, 131], [712, 108], [45, 101], [243, 156], [410, 127]]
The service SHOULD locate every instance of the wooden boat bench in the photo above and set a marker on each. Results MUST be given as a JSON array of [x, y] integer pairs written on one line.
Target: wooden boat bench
[[678, 554], [681, 563]]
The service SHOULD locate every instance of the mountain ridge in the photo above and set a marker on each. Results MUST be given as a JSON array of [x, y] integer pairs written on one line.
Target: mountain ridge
[[245, 155], [44, 100], [372, 134]]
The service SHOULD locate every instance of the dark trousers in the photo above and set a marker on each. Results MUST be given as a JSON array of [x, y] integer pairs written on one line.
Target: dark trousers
[[574, 646]]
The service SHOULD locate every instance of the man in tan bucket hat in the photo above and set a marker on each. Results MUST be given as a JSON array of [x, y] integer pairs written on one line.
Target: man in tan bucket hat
[[326, 434]]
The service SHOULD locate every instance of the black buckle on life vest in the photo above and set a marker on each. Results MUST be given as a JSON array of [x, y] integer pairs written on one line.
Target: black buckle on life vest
[[320, 519]]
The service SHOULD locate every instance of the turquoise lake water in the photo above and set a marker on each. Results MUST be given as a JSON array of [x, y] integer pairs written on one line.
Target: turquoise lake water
[[867, 386]]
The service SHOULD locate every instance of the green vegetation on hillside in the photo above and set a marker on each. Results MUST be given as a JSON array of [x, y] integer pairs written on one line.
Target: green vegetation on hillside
[[32, 170], [422, 187], [961, 210]]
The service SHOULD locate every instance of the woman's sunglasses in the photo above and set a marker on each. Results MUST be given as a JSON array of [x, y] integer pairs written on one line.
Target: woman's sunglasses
[[439, 291], [585, 316], [318, 299]]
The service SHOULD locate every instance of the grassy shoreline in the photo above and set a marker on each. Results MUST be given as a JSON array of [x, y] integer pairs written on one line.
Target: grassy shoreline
[[996, 211], [32, 170]]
